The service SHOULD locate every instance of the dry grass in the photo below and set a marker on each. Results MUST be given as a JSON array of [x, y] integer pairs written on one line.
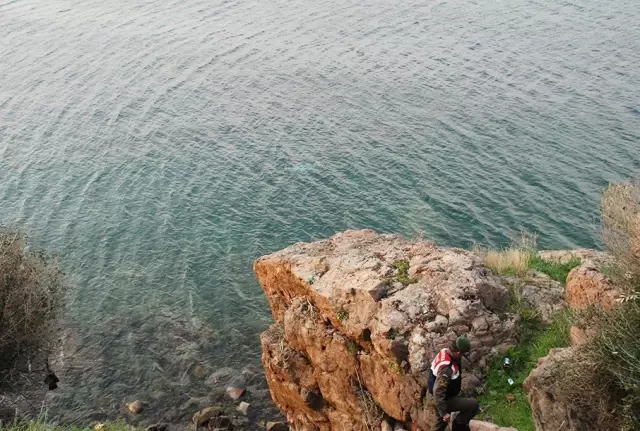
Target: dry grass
[[515, 260], [604, 378], [32, 297], [620, 209], [372, 413], [510, 261]]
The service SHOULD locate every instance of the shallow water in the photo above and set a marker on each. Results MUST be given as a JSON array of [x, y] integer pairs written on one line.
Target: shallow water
[[160, 147]]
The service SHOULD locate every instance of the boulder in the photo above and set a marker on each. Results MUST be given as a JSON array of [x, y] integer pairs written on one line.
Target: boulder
[[487, 426], [587, 285], [359, 316], [552, 410], [135, 407], [544, 295]]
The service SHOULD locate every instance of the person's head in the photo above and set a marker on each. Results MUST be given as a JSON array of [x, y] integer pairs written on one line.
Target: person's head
[[460, 347]]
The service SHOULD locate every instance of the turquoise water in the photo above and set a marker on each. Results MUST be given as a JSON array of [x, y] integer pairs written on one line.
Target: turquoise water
[[161, 147]]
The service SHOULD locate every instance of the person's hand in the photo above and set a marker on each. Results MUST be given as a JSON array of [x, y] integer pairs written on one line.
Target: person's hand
[[446, 418]]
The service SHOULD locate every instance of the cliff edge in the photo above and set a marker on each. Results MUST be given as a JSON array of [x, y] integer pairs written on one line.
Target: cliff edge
[[358, 318]]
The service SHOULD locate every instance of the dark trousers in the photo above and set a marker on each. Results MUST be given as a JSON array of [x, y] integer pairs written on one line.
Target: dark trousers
[[468, 407]]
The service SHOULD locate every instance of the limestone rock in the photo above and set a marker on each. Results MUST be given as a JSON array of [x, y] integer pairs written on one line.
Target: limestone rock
[[135, 407], [221, 377], [235, 392], [386, 426], [579, 336], [586, 285], [355, 343], [584, 254], [470, 384], [487, 426], [212, 417], [544, 295], [551, 410], [243, 408]]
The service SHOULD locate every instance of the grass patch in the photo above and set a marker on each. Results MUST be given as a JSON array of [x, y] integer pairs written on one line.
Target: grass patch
[[535, 342], [511, 261], [553, 268], [521, 257]]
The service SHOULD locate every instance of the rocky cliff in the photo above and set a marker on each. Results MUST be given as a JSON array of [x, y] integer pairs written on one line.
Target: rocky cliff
[[358, 318]]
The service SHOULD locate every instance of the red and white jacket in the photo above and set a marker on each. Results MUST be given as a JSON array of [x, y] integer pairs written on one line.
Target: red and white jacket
[[443, 359]]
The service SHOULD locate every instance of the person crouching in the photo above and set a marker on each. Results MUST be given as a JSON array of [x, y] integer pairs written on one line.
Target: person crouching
[[445, 377]]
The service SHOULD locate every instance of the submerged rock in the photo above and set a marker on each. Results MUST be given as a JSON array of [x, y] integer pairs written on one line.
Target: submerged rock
[[135, 407], [243, 408]]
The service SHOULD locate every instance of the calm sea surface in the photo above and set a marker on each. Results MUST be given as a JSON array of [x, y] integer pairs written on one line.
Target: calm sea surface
[[161, 147]]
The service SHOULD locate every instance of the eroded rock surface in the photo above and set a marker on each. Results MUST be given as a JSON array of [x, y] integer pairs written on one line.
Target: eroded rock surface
[[358, 318], [552, 410], [587, 285]]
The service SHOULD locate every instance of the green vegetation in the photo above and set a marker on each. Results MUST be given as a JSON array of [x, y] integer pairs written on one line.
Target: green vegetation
[[402, 275], [535, 342], [605, 376], [522, 256], [32, 298], [352, 346], [393, 366], [342, 315]]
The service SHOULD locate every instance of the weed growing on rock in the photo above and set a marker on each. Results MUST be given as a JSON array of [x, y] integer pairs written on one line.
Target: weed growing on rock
[[521, 257], [342, 315], [372, 413], [352, 347], [393, 366], [402, 268]]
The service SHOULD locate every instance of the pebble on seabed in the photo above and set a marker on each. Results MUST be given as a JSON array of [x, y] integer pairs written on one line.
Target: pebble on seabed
[[135, 407]]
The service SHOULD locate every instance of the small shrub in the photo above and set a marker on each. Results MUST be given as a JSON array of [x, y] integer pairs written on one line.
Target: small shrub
[[342, 315], [402, 267], [605, 376], [620, 208], [32, 297]]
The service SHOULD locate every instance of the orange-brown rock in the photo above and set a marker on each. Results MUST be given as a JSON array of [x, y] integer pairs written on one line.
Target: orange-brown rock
[[587, 285], [552, 409], [359, 317]]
